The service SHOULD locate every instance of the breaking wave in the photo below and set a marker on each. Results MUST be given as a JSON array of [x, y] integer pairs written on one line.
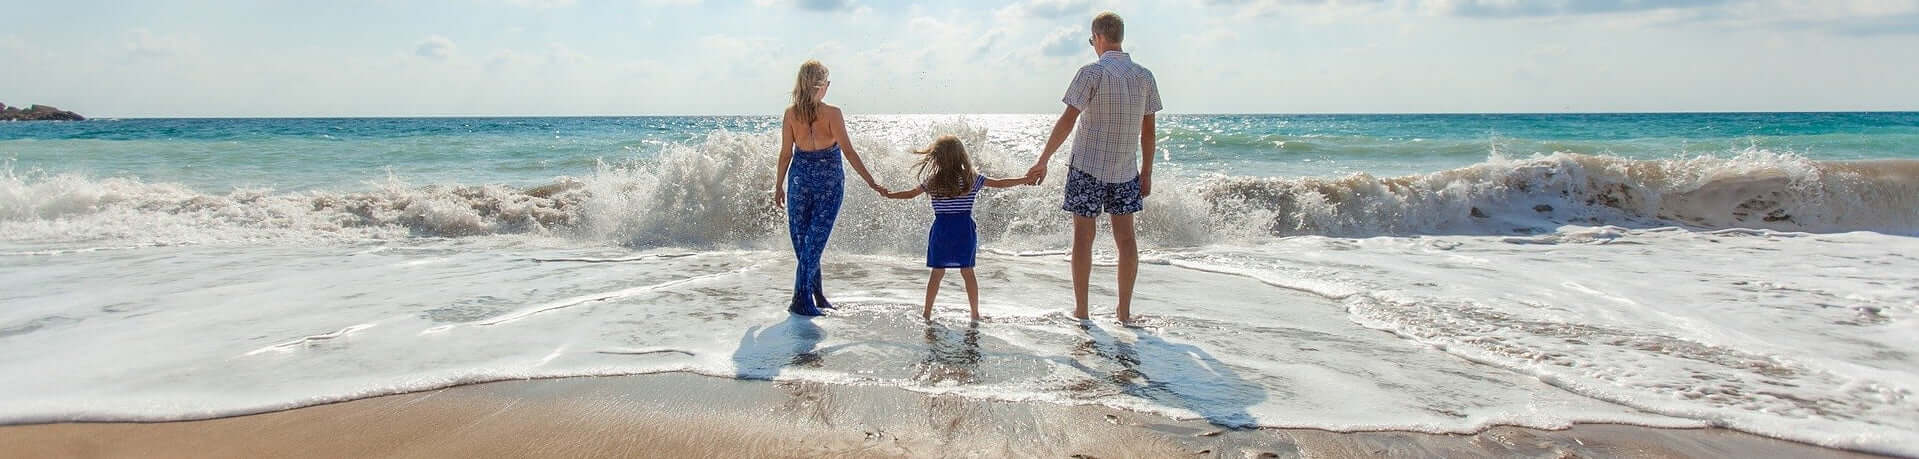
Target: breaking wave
[[718, 192]]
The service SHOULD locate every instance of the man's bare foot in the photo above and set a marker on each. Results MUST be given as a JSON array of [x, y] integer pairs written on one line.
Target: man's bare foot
[[1080, 314], [976, 316], [927, 314]]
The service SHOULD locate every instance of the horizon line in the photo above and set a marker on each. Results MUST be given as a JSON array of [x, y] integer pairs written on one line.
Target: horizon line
[[674, 115]]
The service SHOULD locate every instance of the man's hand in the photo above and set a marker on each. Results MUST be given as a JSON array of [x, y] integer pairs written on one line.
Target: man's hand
[[1037, 173], [1145, 184]]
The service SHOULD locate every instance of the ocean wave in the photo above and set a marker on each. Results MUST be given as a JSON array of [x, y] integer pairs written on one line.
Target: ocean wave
[[718, 192]]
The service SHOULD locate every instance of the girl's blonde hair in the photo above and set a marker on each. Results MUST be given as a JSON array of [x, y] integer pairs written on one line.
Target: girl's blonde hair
[[812, 76], [946, 169]]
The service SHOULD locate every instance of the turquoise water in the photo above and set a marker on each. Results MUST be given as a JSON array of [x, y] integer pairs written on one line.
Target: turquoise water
[[303, 154]]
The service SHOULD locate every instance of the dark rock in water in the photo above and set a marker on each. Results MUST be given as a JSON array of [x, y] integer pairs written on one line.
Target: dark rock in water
[[37, 113], [1478, 213], [1542, 208]]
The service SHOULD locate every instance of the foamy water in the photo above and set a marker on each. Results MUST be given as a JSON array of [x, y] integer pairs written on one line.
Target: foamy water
[[1757, 288]]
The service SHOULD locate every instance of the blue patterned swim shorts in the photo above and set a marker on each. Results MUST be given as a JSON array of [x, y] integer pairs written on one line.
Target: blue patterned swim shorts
[[1087, 196]]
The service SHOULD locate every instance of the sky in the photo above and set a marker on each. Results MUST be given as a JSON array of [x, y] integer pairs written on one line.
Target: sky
[[638, 57]]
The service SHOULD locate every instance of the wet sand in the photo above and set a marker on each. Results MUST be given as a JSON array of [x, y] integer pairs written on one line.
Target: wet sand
[[685, 415]]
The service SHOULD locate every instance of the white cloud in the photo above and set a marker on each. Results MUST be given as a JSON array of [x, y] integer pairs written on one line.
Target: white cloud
[[728, 56], [13, 43], [987, 41], [541, 4], [1852, 17], [559, 54], [1515, 8], [505, 59], [1311, 10], [1211, 36], [143, 43], [435, 47], [928, 27], [1048, 9], [810, 5], [1066, 41]]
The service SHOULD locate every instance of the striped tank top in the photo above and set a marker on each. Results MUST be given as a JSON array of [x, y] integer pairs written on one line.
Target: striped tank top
[[957, 205]]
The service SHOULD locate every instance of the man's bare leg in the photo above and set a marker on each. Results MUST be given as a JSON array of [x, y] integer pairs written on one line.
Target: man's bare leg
[[1084, 229], [1128, 249]]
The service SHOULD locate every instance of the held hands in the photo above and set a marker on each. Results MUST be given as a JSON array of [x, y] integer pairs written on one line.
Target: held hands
[[1037, 174]]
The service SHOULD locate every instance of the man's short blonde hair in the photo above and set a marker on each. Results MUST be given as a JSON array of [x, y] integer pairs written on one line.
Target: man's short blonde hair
[[1110, 26]]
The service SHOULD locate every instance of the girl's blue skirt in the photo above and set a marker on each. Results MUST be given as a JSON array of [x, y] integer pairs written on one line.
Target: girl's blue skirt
[[952, 243]]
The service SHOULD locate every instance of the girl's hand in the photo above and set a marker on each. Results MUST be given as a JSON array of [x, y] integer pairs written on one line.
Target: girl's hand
[[779, 198]]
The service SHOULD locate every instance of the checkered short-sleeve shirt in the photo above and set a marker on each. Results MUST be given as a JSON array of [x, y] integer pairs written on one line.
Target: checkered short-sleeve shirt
[[1113, 96]]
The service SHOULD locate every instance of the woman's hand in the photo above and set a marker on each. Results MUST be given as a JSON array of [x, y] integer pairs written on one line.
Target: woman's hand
[[779, 198]]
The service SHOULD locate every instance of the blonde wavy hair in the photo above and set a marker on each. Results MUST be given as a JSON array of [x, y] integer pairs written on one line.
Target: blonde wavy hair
[[812, 76]]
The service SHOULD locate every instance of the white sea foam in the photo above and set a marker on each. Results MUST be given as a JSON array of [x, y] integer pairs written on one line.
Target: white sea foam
[[718, 194]]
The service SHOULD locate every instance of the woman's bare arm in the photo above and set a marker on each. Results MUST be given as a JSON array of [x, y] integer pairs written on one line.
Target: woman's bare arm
[[903, 194], [786, 159], [838, 121]]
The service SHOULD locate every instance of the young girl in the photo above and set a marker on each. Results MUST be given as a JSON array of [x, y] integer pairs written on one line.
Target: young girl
[[948, 176]]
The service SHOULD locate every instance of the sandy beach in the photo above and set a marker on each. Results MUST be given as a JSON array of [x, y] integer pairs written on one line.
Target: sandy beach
[[685, 415]]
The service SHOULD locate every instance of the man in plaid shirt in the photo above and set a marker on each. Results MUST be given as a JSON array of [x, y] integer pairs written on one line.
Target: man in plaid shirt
[[1113, 100]]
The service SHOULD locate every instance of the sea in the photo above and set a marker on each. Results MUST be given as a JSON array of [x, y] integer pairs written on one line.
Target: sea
[[1433, 273]]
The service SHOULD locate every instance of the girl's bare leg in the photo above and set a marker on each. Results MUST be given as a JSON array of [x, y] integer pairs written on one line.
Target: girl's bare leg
[[972, 291], [933, 291]]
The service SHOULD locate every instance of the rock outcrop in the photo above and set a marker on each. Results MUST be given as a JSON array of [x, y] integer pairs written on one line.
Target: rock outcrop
[[37, 113]]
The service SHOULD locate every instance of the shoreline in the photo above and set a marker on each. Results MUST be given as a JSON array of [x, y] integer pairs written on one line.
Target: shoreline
[[686, 414]]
